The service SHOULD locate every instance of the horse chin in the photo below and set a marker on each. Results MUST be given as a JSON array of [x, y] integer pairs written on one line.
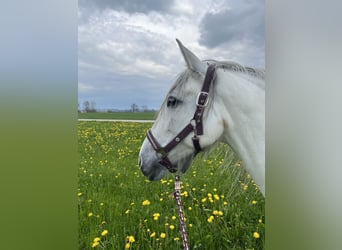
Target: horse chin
[[155, 172]]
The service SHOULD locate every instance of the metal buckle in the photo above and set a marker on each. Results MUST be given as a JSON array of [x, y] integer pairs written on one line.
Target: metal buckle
[[203, 95]]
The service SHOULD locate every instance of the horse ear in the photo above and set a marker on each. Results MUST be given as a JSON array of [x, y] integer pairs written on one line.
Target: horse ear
[[192, 61]]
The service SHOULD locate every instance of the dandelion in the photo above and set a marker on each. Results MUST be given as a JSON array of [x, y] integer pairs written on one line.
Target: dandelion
[[176, 239], [162, 235], [189, 208], [173, 217], [90, 214], [95, 244], [190, 225], [104, 232], [254, 202], [128, 245], [204, 200], [256, 235], [172, 227], [210, 219], [156, 216], [216, 197], [130, 239], [97, 239], [146, 203], [225, 203], [79, 194], [127, 211], [153, 234]]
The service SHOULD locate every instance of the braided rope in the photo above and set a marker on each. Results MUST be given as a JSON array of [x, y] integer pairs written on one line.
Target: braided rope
[[180, 212]]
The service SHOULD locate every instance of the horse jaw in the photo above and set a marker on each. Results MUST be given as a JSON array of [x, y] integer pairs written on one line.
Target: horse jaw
[[192, 61]]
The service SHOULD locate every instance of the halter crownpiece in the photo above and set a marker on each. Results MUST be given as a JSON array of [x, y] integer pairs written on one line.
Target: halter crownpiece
[[195, 125]]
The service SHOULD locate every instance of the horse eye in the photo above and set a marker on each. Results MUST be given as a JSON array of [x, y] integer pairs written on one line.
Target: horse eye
[[172, 102]]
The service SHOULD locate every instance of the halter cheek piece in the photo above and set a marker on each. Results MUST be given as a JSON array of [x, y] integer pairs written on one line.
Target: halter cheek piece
[[195, 125]]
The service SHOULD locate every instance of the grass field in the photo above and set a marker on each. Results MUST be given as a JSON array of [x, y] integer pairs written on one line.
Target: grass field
[[120, 209], [118, 115]]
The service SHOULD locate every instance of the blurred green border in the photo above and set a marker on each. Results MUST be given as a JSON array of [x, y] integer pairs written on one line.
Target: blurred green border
[[38, 133]]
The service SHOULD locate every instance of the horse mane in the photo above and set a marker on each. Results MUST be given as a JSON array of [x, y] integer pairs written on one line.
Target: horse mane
[[236, 67]]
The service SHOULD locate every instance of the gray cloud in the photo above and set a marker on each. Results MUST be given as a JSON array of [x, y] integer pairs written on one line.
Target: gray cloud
[[239, 24], [130, 6], [128, 54]]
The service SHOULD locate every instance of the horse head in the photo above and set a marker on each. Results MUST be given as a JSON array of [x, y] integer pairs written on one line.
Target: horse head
[[181, 128]]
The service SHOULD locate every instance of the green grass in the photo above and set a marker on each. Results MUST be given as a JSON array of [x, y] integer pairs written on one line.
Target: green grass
[[112, 191], [119, 115]]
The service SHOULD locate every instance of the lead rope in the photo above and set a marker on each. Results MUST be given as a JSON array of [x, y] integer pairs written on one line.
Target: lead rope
[[177, 195]]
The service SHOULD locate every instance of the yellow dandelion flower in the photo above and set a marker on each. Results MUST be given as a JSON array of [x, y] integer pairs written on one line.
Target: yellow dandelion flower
[[216, 197], [146, 203], [254, 202], [210, 219], [172, 227], [127, 211], [153, 234], [215, 212], [210, 195], [162, 235], [104, 232], [130, 239], [260, 220], [90, 214], [173, 217], [204, 200], [79, 194], [189, 208], [127, 246], [97, 239], [176, 239], [220, 213], [256, 235], [95, 244], [225, 203], [190, 225]]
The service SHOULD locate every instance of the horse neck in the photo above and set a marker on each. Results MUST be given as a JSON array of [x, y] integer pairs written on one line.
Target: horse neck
[[242, 105]]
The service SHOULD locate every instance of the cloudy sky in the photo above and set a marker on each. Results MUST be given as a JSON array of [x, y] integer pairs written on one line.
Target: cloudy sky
[[128, 53]]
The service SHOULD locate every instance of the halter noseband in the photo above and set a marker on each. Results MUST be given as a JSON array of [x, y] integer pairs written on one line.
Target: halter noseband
[[195, 124]]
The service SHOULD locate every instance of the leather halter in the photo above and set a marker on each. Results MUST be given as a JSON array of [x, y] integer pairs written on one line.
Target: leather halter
[[195, 125]]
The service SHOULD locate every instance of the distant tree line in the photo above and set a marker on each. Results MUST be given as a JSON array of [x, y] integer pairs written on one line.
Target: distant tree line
[[90, 106]]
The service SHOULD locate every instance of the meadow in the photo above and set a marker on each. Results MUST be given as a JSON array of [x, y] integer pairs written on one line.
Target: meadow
[[150, 115], [119, 208]]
